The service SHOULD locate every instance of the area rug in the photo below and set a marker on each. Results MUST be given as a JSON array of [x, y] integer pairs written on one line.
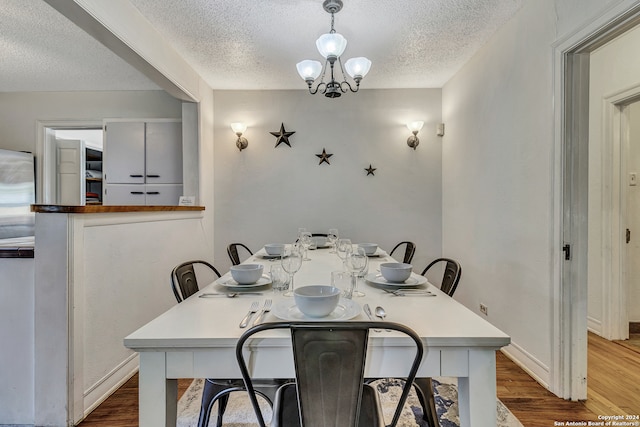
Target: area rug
[[240, 414]]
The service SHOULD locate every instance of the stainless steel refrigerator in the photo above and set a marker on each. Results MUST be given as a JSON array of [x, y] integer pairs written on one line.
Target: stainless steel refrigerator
[[17, 193]]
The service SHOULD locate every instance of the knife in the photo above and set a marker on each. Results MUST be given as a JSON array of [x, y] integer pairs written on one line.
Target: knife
[[367, 311]]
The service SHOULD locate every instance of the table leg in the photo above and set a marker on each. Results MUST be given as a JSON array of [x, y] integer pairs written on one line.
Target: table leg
[[158, 395], [477, 392]]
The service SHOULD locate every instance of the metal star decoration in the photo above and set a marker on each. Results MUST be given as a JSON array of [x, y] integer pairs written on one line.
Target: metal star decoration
[[324, 157], [282, 136], [370, 170]]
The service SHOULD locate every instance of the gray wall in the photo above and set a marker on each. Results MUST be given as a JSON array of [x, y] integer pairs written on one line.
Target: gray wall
[[19, 111], [263, 194]]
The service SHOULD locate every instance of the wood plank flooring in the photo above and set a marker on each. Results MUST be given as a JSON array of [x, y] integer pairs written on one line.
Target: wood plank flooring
[[613, 381], [613, 389]]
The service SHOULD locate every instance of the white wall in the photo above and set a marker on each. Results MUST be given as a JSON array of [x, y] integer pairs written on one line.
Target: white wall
[[263, 194], [498, 165], [612, 70], [16, 336]]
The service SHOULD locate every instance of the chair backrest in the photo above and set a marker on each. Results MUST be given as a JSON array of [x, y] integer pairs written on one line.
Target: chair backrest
[[451, 277], [183, 279], [329, 361], [232, 251], [409, 251]]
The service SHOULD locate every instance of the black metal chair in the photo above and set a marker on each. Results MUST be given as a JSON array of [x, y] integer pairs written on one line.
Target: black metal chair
[[329, 362], [232, 251], [184, 284], [451, 277], [409, 251], [183, 279], [424, 386]]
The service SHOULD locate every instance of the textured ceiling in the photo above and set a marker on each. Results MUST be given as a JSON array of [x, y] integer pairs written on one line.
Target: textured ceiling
[[41, 50], [253, 44]]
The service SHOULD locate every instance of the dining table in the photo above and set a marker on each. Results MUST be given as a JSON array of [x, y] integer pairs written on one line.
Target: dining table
[[197, 338]]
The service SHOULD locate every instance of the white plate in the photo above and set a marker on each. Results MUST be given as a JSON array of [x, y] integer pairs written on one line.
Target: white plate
[[377, 279], [267, 256], [287, 310], [230, 283], [378, 254]]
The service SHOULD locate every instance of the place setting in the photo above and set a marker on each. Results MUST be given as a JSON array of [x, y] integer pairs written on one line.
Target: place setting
[[398, 279], [244, 277]]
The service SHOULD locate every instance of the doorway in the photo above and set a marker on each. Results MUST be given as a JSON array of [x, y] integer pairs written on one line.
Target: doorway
[[70, 167], [630, 176], [571, 85]]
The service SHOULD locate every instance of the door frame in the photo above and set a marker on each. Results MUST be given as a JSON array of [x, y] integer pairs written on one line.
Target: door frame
[[571, 155], [45, 163], [615, 321]]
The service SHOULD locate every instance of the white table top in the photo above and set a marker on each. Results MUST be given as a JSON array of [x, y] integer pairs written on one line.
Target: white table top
[[213, 322]]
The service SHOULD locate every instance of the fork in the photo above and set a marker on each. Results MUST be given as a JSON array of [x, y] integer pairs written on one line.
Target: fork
[[252, 310], [265, 309], [405, 293]]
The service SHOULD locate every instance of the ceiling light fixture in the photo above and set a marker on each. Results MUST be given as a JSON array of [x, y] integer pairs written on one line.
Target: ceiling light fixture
[[331, 46]]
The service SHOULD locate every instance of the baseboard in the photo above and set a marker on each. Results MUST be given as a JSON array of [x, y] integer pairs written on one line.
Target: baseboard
[[532, 366], [634, 327], [594, 325], [107, 385]]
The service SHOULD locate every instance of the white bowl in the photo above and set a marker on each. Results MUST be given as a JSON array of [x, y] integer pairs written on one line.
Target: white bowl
[[369, 248], [246, 274], [316, 300], [396, 272], [319, 241], [274, 248]]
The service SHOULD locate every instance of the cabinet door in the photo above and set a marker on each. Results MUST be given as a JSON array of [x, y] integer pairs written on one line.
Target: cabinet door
[[124, 194], [124, 153], [163, 194], [164, 153]]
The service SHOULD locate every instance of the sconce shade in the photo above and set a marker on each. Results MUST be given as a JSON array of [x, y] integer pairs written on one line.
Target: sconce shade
[[238, 127], [415, 126], [357, 67], [331, 45], [308, 69]]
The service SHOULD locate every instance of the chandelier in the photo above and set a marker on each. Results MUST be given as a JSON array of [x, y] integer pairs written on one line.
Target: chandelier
[[331, 46]]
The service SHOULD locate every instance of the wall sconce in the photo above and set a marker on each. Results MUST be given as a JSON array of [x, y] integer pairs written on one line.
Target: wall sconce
[[239, 129], [414, 127]]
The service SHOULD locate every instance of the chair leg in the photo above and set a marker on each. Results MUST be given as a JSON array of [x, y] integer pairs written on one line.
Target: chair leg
[[424, 390], [209, 392], [222, 406]]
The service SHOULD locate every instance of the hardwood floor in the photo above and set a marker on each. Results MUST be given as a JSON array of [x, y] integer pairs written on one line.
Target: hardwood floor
[[613, 381], [613, 389]]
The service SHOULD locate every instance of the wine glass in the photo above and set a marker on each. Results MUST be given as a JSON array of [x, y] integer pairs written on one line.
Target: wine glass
[[305, 241], [332, 237], [357, 262], [291, 262], [343, 248]]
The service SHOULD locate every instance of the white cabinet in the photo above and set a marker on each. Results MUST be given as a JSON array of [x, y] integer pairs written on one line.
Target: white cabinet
[[143, 194], [143, 163]]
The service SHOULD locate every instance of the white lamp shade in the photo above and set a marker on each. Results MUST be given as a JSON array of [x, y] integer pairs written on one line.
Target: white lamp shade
[[331, 44], [308, 69], [415, 126], [238, 127], [359, 66]]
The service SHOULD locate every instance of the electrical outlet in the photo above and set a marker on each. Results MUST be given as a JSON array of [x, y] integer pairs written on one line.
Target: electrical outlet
[[484, 309]]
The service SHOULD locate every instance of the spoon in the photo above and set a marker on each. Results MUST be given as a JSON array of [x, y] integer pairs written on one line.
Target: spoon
[[381, 314], [228, 294]]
